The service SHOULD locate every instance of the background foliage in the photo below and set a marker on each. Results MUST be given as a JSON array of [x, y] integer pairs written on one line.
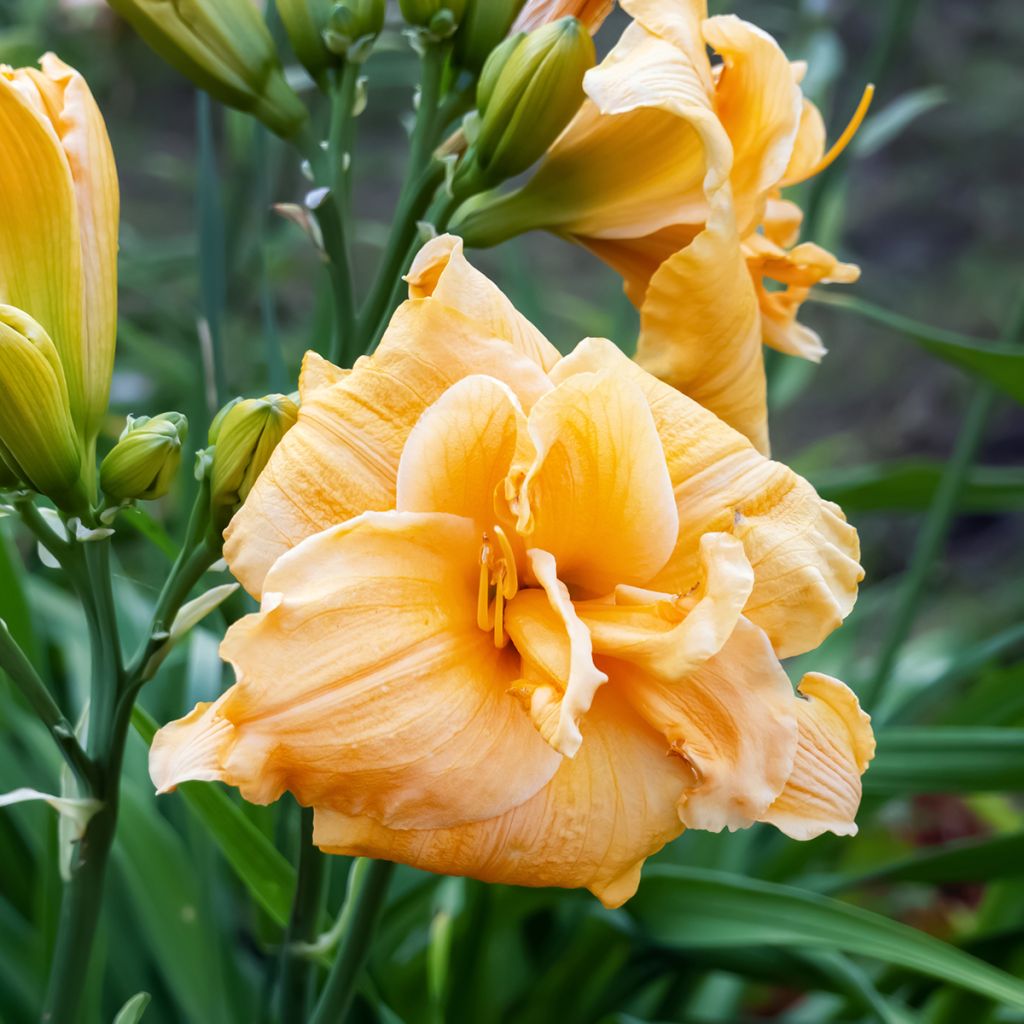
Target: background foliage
[[725, 928]]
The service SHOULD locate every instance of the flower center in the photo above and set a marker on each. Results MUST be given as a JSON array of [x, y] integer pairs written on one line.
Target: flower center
[[499, 582]]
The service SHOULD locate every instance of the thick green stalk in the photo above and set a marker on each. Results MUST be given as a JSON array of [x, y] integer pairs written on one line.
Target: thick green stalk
[[298, 971], [367, 888], [932, 539]]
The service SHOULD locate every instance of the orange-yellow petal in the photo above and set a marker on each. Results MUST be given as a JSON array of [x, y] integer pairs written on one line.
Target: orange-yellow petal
[[700, 327], [442, 271], [836, 745], [592, 826], [598, 496], [803, 552], [809, 145], [365, 685], [670, 637], [759, 104], [341, 458], [460, 452], [559, 678], [733, 722]]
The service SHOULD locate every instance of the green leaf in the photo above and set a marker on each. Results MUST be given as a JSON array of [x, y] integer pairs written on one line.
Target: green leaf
[[689, 907], [999, 363], [970, 860], [259, 865], [939, 759], [909, 486], [132, 1011]]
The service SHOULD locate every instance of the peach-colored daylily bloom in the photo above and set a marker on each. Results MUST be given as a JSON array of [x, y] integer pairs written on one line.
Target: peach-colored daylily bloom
[[499, 586], [58, 233], [667, 172], [541, 12]]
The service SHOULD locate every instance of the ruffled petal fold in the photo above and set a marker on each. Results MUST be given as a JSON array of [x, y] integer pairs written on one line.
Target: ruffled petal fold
[[366, 685], [592, 826], [836, 745]]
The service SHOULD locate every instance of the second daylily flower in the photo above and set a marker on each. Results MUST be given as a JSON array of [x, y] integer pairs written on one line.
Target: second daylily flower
[[667, 172], [499, 586]]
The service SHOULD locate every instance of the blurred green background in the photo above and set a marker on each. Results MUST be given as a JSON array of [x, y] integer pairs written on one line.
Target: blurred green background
[[928, 202]]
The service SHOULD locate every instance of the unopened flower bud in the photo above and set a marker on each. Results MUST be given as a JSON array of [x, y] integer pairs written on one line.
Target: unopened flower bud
[[440, 17], [528, 93], [484, 25], [39, 443], [244, 440], [353, 26], [304, 22], [144, 462], [225, 48]]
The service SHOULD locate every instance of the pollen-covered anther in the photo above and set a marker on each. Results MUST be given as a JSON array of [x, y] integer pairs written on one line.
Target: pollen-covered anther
[[499, 583]]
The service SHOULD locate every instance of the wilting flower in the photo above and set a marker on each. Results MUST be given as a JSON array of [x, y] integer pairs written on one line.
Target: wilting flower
[[521, 614], [539, 12], [666, 173], [58, 233]]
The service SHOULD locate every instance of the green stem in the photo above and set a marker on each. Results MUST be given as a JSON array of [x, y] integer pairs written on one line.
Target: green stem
[[298, 971], [24, 676], [367, 888], [932, 539]]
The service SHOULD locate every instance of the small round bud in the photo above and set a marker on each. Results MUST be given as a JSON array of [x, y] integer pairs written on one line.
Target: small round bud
[[440, 17], [244, 439], [353, 26], [485, 24], [38, 438], [144, 462], [527, 94]]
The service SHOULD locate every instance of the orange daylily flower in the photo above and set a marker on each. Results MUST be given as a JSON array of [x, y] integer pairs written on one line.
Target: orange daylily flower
[[671, 167], [498, 586], [58, 234], [541, 12]]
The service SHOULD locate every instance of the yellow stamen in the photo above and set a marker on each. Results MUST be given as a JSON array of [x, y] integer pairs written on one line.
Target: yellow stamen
[[510, 577], [497, 571], [500, 636], [841, 143], [483, 597]]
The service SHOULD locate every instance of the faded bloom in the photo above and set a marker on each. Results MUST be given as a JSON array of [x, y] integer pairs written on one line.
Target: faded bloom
[[671, 172], [58, 232], [539, 12], [521, 615]]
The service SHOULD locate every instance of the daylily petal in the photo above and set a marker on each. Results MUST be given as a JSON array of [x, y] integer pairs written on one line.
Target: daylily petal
[[700, 328], [759, 104], [598, 496], [442, 271], [803, 551], [670, 638], [649, 106], [317, 373], [559, 676], [461, 451], [809, 146], [836, 746], [602, 814], [732, 720], [365, 684], [341, 457]]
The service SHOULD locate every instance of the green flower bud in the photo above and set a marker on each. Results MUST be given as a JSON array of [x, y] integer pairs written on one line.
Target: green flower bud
[[304, 22], [8, 477], [353, 26], [484, 25], [143, 463], [441, 17], [37, 435], [225, 48], [527, 94], [245, 438]]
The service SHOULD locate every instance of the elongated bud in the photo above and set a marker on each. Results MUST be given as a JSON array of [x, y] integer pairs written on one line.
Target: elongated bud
[[304, 22], [40, 446], [244, 439], [225, 48], [527, 94], [353, 26], [484, 25], [144, 462], [440, 17]]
